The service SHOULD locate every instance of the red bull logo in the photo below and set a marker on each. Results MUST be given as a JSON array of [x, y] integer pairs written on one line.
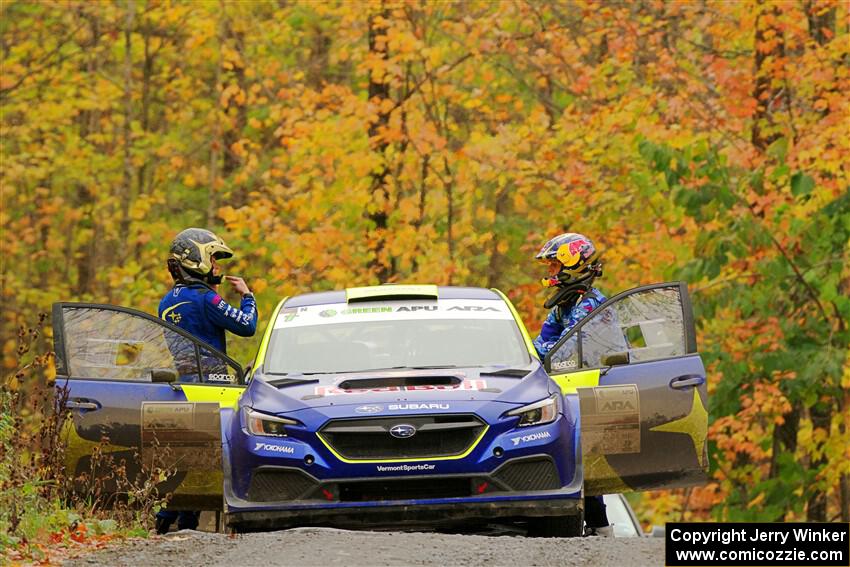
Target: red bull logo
[[571, 253], [578, 246], [465, 385]]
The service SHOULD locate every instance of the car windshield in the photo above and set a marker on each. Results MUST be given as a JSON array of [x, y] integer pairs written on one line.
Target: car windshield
[[335, 338]]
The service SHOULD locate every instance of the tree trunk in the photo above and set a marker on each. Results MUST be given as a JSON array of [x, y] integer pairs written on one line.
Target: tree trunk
[[821, 22], [816, 510], [769, 48], [499, 263], [82, 199], [379, 93], [216, 142], [233, 134], [127, 189], [822, 30], [844, 481], [784, 442], [144, 118], [785, 437], [450, 217], [318, 61]]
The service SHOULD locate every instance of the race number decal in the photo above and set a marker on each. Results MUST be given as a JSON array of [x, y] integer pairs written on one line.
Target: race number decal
[[610, 420], [181, 435]]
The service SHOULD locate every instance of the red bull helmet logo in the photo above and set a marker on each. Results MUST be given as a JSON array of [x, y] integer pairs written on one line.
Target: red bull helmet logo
[[572, 253]]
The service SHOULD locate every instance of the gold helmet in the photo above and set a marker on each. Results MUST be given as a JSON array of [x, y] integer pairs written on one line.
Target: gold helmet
[[191, 253]]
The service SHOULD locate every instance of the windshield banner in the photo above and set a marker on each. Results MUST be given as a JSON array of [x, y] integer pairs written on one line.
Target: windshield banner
[[336, 313]]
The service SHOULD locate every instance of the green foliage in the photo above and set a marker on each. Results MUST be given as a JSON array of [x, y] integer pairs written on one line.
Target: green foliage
[[779, 291], [342, 144], [40, 502]]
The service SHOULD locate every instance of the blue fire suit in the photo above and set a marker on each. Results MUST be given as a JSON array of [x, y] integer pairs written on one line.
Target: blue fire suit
[[560, 320], [557, 324], [202, 312]]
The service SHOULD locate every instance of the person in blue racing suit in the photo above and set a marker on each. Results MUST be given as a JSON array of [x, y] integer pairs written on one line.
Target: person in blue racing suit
[[573, 264], [194, 304]]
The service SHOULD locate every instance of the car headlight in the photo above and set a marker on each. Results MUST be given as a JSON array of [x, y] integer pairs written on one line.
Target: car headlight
[[265, 424], [538, 413]]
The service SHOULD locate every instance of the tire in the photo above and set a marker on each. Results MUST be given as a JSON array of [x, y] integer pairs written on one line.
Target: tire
[[556, 526]]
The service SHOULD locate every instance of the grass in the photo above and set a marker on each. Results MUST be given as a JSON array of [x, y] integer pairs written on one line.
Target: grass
[[42, 506]]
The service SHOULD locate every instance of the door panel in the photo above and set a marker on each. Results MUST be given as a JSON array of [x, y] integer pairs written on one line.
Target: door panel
[[146, 394], [644, 423], [657, 441]]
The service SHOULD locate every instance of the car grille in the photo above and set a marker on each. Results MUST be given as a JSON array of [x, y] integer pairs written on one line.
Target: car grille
[[370, 438], [538, 473], [279, 484], [406, 489]]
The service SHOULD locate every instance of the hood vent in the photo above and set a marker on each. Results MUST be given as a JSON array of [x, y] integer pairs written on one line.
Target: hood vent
[[398, 381]]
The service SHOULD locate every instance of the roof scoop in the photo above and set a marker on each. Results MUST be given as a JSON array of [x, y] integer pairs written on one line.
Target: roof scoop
[[391, 292]]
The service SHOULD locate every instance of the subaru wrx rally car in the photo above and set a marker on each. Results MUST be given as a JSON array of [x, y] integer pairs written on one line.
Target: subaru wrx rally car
[[394, 405]]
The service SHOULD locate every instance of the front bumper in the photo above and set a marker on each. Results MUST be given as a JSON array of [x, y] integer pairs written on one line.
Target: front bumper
[[508, 473], [519, 488], [401, 514]]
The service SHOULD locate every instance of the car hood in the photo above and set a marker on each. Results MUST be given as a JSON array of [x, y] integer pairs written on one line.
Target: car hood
[[414, 386]]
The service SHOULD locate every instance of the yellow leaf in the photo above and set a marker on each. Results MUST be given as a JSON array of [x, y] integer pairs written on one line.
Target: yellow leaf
[[50, 371], [386, 105], [259, 285], [520, 203]]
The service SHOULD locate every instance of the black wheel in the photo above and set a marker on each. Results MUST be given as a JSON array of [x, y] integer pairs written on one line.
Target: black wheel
[[556, 526]]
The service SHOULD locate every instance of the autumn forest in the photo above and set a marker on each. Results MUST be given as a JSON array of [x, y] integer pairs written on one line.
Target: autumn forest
[[342, 143]]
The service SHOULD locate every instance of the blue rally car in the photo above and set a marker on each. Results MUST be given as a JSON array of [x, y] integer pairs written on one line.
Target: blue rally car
[[392, 406]]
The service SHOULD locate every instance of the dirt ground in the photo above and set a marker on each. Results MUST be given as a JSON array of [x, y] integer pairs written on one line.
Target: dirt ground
[[331, 547]]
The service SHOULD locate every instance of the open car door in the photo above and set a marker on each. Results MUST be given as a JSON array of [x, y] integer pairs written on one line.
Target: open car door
[[642, 391], [146, 395]]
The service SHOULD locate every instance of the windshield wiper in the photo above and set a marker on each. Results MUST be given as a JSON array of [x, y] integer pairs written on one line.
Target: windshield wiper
[[288, 381], [402, 367], [280, 382]]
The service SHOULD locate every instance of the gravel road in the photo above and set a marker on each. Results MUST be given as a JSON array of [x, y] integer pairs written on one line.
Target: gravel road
[[330, 547]]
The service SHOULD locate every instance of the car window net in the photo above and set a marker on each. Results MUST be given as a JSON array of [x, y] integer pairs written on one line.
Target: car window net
[[113, 345], [648, 325]]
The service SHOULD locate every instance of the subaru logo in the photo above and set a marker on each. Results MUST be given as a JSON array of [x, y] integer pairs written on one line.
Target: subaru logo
[[369, 409], [402, 431]]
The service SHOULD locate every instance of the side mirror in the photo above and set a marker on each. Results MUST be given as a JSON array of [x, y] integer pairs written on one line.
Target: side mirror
[[160, 375], [615, 358]]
